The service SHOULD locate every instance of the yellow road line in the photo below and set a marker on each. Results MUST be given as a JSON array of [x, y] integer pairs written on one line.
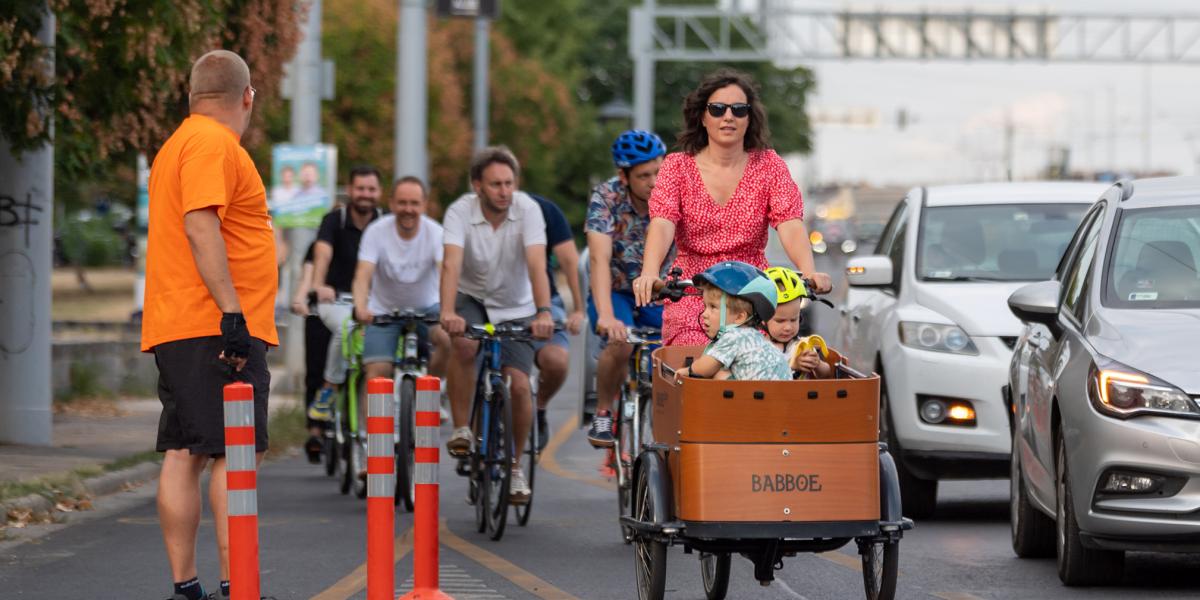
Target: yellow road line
[[522, 578], [356, 581], [549, 460], [850, 562]]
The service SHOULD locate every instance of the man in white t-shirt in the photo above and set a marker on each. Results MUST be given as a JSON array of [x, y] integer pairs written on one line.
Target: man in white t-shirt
[[494, 271], [399, 263]]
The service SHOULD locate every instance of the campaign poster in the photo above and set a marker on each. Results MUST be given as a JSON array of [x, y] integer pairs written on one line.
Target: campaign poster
[[303, 179]]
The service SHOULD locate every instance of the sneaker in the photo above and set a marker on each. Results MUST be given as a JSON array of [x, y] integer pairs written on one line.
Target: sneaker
[[518, 489], [600, 434], [543, 430], [321, 409], [459, 444]]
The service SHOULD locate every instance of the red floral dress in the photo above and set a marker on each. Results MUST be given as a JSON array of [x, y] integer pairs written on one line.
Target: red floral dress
[[707, 233]]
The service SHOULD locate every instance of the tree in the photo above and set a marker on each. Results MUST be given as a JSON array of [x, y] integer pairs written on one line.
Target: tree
[[121, 70]]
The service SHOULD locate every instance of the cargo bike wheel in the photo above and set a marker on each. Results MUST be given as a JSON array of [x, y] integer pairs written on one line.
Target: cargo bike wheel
[[714, 571], [650, 507], [880, 566]]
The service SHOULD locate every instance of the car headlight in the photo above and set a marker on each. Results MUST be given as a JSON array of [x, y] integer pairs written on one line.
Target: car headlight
[[1119, 391], [936, 337]]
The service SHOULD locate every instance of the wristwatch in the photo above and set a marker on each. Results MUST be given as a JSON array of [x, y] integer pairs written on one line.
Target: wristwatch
[[543, 309]]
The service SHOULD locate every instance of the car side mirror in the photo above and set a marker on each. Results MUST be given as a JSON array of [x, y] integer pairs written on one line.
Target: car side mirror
[[869, 271], [1037, 303]]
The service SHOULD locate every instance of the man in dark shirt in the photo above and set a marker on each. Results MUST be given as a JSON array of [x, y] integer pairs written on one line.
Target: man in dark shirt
[[335, 257], [552, 356]]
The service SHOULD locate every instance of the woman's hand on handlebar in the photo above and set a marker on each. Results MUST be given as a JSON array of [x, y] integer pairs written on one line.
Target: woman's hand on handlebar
[[822, 283], [612, 328], [644, 288]]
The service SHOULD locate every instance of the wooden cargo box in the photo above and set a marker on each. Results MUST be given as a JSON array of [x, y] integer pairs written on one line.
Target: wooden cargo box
[[760, 451]]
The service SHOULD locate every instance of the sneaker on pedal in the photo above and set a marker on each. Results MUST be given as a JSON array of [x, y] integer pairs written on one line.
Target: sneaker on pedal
[[543, 431], [313, 447], [518, 489], [322, 407], [459, 444], [600, 434]]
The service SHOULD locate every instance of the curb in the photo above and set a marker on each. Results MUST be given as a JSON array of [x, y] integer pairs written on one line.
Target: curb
[[99, 485]]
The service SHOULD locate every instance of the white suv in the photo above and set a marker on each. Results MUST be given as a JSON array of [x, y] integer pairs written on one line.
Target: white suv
[[928, 312]]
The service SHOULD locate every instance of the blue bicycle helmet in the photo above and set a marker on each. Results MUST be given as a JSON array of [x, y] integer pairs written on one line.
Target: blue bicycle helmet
[[635, 147], [745, 281]]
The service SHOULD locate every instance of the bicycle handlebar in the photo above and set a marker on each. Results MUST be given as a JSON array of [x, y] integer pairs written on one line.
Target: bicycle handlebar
[[504, 331], [405, 317]]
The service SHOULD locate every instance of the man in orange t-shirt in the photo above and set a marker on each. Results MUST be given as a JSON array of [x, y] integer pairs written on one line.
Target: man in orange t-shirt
[[210, 297]]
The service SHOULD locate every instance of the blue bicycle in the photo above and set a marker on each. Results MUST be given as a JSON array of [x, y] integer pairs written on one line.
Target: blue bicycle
[[493, 452]]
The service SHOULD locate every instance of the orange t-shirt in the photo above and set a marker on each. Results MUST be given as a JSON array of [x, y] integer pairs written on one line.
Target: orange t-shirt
[[203, 165]]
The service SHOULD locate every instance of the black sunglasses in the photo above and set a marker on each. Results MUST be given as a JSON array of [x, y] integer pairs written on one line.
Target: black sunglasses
[[717, 109]]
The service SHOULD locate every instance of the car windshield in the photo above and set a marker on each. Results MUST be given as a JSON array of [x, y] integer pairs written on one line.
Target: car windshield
[[995, 242], [1153, 262]]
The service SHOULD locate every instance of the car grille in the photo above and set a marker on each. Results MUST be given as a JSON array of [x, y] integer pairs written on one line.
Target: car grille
[[1011, 342]]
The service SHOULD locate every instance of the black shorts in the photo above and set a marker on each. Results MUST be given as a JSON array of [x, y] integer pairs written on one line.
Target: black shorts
[[513, 353], [191, 381]]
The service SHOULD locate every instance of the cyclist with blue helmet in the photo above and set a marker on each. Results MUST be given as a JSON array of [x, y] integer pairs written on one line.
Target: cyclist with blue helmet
[[738, 301], [617, 218]]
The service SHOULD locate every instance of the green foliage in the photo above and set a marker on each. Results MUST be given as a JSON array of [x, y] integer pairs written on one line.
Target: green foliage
[[91, 242], [84, 381]]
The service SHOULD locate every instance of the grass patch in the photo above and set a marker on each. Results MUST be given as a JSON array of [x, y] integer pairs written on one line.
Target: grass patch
[[287, 428], [133, 460], [49, 486], [84, 382]]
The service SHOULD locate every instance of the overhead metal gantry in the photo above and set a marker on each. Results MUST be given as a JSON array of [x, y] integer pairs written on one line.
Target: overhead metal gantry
[[782, 32]]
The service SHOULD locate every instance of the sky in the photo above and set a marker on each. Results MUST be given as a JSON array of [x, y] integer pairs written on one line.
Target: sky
[[958, 110]]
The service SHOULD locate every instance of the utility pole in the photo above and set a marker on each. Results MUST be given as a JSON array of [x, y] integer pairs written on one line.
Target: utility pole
[[306, 82], [641, 41], [1147, 118], [480, 100], [412, 92], [1009, 133], [26, 241]]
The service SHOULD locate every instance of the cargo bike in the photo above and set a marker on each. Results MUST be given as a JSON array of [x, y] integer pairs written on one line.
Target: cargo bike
[[764, 469]]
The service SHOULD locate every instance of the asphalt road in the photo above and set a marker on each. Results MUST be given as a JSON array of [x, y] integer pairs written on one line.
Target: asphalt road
[[313, 539]]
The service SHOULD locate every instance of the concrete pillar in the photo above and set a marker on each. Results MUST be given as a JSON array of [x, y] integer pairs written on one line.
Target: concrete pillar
[[26, 246], [305, 129], [412, 92]]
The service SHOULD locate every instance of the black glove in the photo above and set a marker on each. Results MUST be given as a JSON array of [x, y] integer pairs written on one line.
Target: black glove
[[234, 335]]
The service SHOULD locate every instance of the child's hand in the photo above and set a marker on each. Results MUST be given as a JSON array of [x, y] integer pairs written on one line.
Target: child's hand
[[806, 362], [681, 373]]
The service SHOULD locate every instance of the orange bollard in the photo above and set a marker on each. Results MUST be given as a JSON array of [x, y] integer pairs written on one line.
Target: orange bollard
[[425, 504], [241, 471], [381, 485]]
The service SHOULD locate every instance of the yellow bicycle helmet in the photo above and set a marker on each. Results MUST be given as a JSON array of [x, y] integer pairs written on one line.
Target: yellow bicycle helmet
[[787, 284]]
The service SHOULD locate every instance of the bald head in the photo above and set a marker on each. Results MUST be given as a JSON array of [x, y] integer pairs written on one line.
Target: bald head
[[220, 76]]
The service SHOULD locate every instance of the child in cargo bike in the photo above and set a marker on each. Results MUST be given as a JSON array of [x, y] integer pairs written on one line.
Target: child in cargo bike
[[783, 328], [738, 300]]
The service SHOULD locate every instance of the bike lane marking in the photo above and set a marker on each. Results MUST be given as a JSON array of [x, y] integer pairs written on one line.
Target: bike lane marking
[[356, 581], [955, 596], [494, 563]]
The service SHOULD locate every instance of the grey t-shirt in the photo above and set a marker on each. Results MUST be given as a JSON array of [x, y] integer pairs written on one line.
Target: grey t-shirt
[[748, 355]]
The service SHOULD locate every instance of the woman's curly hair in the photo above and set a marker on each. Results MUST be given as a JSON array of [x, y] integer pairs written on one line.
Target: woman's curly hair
[[694, 137]]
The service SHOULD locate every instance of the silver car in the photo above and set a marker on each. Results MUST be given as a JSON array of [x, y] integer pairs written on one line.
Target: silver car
[[1103, 388]]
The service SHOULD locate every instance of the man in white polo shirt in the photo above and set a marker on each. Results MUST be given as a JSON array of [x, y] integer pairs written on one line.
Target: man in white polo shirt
[[494, 270]]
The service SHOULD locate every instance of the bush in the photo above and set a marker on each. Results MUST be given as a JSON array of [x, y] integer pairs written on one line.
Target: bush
[[91, 242]]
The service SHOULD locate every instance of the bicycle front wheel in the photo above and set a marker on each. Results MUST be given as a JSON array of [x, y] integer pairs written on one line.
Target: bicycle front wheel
[[497, 463], [406, 442]]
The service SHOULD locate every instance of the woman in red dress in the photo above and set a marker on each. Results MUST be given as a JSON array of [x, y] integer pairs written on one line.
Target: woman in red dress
[[716, 198]]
